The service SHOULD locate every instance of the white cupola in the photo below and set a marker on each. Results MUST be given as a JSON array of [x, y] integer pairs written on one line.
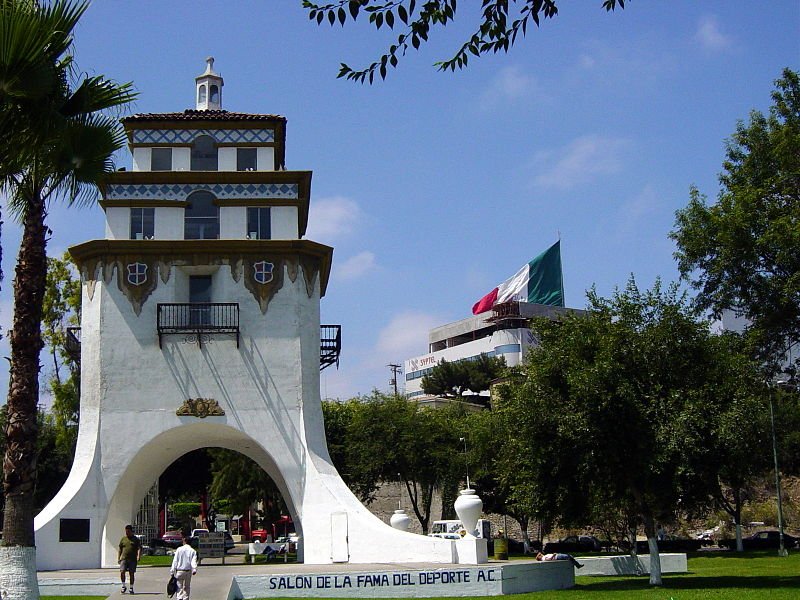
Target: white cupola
[[208, 92]]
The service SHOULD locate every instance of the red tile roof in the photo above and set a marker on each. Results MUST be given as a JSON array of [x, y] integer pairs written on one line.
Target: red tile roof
[[202, 115]]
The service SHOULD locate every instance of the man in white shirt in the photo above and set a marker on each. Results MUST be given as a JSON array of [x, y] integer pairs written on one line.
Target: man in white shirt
[[184, 565]]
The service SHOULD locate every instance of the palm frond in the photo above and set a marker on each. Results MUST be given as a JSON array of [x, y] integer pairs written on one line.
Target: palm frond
[[96, 94]]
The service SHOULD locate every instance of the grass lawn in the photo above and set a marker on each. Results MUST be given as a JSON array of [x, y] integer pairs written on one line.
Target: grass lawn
[[714, 575]]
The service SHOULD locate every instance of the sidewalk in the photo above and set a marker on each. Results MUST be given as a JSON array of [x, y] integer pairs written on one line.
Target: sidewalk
[[212, 582]]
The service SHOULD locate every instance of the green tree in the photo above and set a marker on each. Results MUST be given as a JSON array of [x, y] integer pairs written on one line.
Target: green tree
[[486, 436], [337, 417], [501, 22], [455, 379], [740, 424], [241, 482], [614, 408], [743, 252], [65, 147], [62, 305], [393, 439], [53, 460]]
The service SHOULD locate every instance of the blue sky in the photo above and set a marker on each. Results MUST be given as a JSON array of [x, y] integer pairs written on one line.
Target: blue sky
[[433, 188]]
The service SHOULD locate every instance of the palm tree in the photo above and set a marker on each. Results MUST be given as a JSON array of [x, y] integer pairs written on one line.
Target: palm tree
[[62, 147]]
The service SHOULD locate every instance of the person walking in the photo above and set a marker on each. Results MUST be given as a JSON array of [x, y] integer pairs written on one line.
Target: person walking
[[130, 551], [184, 565]]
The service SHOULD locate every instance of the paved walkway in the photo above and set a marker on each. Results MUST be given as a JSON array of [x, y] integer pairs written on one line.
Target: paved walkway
[[212, 582]]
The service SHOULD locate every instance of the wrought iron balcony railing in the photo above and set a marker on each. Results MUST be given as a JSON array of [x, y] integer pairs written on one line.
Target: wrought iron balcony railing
[[209, 318], [330, 345], [73, 344], [198, 318]]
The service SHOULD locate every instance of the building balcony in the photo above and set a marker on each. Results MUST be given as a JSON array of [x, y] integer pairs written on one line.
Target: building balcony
[[214, 318], [73, 344], [330, 345], [198, 318]]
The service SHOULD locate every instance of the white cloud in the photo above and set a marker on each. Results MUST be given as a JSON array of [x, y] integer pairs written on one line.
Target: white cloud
[[355, 266], [581, 161], [586, 61], [639, 208], [332, 218], [710, 36], [510, 84], [406, 335]]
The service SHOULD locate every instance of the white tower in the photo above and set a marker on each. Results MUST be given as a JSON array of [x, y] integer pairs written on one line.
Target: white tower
[[208, 88], [201, 328]]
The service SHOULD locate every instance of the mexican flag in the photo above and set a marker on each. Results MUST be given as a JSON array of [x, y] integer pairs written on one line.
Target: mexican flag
[[538, 282]]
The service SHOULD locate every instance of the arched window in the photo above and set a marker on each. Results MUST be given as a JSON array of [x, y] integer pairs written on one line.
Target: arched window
[[214, 94], [201, 217], [204, 154], [201, 94]]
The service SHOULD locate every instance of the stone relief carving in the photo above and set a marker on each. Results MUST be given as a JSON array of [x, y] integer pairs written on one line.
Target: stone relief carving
[[200, 407]]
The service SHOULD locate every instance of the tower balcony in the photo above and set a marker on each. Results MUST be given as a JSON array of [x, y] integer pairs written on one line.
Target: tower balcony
[[197, 318], [211, 318]]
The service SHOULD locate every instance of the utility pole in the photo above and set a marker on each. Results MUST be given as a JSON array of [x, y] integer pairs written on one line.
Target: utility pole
[[395, 369]]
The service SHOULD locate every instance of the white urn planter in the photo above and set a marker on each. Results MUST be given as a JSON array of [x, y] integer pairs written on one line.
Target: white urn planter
[[400, 520], [468, 508]]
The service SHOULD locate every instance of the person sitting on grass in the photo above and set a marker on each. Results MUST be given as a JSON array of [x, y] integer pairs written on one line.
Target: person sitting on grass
[[559, 556]]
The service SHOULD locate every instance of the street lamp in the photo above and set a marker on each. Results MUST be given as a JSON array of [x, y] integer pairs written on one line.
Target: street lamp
[[781, 548]]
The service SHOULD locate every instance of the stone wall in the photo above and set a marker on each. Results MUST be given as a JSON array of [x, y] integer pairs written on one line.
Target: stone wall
[[389, 494]]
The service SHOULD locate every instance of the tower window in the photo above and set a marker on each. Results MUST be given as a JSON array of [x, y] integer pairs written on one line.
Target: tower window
[[204, 154], [161, 159], [214, 98], [201, 217], [201, 94], [142, 223], [258, 226], [246, 159]]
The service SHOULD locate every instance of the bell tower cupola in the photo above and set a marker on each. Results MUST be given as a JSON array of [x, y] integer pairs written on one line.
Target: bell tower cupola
[[208, 92]]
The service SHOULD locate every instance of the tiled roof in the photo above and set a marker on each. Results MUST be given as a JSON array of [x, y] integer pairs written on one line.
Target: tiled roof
[[202, 115]]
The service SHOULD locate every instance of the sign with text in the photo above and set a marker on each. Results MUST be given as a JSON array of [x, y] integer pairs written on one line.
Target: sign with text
[[211, 545], [451, 580]]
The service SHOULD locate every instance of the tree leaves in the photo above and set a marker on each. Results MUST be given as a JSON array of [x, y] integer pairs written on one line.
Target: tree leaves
[[494, 33], [743, 253]]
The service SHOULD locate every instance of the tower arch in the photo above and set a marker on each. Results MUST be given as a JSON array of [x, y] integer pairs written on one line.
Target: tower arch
[[151, 461]]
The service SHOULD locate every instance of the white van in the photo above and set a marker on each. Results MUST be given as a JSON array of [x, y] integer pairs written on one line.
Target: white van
[[454, 530]]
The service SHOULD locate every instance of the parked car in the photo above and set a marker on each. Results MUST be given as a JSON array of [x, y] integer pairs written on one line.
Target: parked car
[[574, 543], [258, 535], [172, 539], [762, 540]]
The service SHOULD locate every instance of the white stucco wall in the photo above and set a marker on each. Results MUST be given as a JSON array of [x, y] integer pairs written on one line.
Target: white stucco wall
[[269, 390], [169, 223], [265, 158], [182, 159], [118, 223], [232, 222], [141, 159], [284, 223], [227, 159]]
